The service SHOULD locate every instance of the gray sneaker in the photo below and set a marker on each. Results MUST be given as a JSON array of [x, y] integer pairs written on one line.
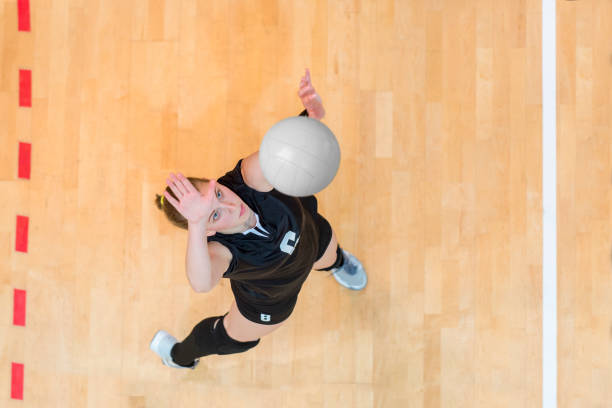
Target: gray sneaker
[[162, 344], [351, 274]]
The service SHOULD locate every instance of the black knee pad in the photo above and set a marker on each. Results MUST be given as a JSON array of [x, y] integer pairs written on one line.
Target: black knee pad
[[212, 339], [339, 260]]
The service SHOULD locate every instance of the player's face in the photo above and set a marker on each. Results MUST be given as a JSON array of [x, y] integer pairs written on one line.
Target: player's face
[[229, 213]]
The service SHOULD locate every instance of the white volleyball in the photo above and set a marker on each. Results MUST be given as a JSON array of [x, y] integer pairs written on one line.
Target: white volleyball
[[299, 156]]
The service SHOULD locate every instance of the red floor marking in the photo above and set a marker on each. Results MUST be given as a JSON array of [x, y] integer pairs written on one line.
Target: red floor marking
[[25, 150], [23, 11], [21, 243], [25, 88], [17, 381], [19, 307]]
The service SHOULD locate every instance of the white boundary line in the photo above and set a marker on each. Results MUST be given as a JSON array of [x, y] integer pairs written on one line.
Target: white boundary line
[[549, 204]]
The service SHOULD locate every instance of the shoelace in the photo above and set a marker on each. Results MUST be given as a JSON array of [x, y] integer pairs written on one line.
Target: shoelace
[[351, 268]]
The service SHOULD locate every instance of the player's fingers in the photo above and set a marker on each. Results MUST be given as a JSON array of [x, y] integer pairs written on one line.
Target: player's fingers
[[306, 91], [187, 185], [173, 183], [171, 199], [184, 183], [173, 188]]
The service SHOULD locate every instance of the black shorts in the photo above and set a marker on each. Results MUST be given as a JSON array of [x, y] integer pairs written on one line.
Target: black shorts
[[262, 313], [268, 314]]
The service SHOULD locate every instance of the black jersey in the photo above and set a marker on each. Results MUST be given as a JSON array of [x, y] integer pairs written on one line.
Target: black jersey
[[263, 266]]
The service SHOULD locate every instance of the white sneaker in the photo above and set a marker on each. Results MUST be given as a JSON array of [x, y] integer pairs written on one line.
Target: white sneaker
[[351, 274], [162, 344]]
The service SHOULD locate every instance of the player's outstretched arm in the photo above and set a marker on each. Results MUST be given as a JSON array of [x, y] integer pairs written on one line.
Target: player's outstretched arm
[[310, 98], [251, 170], [195, 207]]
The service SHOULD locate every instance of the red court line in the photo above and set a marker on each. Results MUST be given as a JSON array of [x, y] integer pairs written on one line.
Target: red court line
[[21, 243], [25, 150], [17, 381], [23, 13], [19, 307], [25, 88]]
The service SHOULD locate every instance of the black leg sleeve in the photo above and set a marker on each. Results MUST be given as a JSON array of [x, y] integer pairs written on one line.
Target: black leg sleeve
[[185, 352], [206, 339], [339, 260]]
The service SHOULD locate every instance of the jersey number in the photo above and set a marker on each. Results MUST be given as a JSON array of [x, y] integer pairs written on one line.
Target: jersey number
[[289, 242]]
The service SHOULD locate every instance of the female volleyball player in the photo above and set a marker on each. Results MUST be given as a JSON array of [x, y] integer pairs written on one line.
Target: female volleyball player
[[265, 242]]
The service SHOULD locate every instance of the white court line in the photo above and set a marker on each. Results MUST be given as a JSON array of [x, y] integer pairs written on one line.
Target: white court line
[[549, 204]]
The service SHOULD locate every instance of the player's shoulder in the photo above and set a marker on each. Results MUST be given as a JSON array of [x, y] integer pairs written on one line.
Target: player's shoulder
[[253, 175], [220, 251]]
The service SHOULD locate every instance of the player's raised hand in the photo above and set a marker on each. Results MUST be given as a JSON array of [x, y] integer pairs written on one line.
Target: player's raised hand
[[191, 204], [310, 99]]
